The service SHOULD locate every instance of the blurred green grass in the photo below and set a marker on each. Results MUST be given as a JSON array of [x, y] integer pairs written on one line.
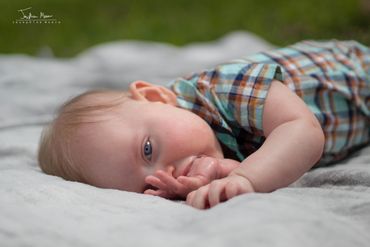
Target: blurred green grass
[[86, 23]]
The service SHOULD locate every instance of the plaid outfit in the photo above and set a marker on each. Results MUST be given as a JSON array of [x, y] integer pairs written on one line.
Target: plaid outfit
[[332, 78]]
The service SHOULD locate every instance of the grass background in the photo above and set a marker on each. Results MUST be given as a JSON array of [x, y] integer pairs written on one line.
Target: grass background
[[86, 23]]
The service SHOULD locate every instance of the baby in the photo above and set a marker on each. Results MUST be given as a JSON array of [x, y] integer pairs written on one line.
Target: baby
[[254, 125]]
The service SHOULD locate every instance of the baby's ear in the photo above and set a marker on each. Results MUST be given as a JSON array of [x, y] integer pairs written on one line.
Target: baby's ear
[[141, 90]]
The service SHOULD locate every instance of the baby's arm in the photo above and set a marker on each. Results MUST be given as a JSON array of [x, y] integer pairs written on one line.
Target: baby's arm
[[294, 143]]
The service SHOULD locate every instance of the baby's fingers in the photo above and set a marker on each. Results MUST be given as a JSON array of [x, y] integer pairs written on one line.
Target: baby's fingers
[[152, 192], [160, 193], [192, 183], [171, 183], [198, 198], [156, 182], [216, 192], [231, 190]]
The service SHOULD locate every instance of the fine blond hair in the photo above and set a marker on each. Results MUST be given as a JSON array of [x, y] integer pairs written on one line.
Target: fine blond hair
[[55, 156]]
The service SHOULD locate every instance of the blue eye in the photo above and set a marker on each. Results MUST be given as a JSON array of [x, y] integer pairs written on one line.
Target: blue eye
[[148, 150]]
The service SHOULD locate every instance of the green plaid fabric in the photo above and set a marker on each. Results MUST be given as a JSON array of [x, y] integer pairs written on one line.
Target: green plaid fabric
[[332, 78]]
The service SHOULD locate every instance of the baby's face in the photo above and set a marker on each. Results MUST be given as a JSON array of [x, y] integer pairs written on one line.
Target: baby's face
[[147, 136]]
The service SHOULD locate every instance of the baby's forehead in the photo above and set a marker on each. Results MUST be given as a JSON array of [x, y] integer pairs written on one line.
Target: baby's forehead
[[87, 138], [102, 111], [98, 121]]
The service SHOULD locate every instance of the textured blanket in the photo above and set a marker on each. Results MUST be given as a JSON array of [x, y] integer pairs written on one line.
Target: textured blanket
[[328, 206]]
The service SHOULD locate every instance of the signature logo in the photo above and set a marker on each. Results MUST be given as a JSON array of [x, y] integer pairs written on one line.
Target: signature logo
[[27, 17]]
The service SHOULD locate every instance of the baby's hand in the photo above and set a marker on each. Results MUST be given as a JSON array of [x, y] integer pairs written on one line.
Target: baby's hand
[[218, 191], [167, 186], [203, 170]]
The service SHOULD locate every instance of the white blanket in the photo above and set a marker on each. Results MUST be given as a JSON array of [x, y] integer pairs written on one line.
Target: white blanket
[[326, 207]]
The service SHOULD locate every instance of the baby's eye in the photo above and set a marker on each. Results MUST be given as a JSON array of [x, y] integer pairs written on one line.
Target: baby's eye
[[148, 150]]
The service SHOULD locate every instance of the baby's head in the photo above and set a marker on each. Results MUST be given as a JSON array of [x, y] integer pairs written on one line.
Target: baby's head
[[55, 154], [114, 139]]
